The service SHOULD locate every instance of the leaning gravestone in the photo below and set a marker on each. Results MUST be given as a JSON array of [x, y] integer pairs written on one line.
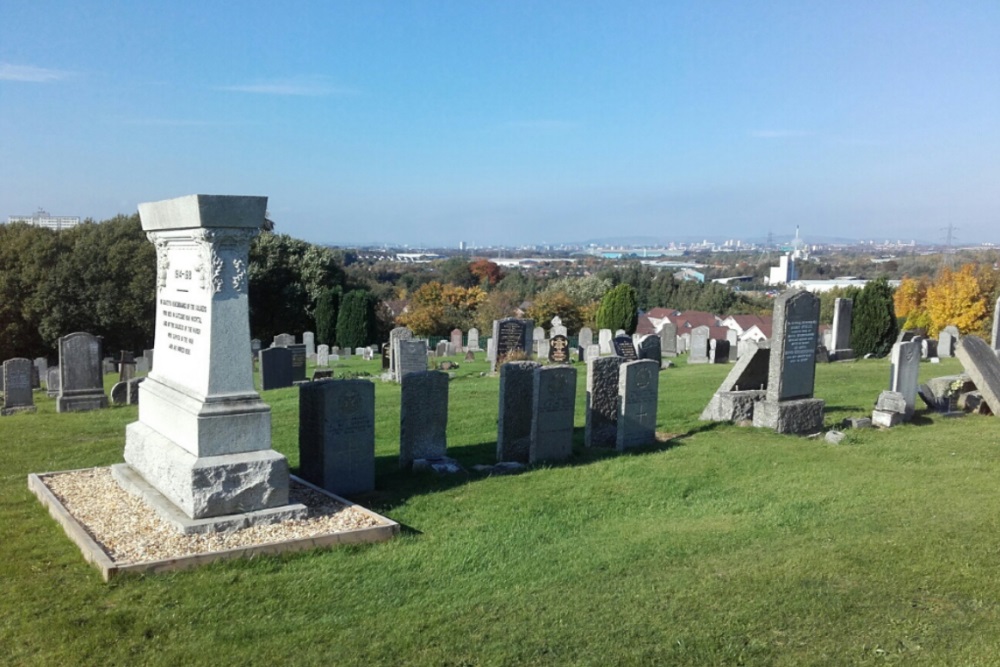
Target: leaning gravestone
[[337, 435], [17, 394], [423, 417], [698, 353], [275, 368], [586, 337], [559, 352], [650, 348], [743, 388], [410, 357], [81, 384], [995, 339], [638, 393], [904, 373], [52, 382], [511, 335], [624, 348], [514, 419], [201, 449], [789, 406], [553, 403], [602, 402], [983, 367], [668, 339]]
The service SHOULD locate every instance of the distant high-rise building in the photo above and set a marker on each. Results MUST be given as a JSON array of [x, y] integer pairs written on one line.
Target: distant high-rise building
[[43, 219]]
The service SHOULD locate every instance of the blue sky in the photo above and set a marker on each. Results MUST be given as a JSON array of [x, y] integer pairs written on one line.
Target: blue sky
[[513, 122]]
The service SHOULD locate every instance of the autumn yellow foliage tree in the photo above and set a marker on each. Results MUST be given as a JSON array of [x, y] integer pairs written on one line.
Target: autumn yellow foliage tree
[[436, 309], [909, 299], [959, 298]]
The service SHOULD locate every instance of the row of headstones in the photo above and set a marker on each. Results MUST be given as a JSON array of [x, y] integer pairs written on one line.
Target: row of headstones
[[76, 383], [322, 355], [536, 418]]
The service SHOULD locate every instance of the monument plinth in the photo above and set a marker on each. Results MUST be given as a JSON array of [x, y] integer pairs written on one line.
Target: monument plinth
[[203, 439]]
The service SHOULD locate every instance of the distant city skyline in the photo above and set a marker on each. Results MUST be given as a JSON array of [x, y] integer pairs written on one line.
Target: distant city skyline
[[513, 123]]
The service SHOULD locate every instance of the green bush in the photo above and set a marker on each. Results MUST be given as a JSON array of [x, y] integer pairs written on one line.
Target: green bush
[[618, 309]]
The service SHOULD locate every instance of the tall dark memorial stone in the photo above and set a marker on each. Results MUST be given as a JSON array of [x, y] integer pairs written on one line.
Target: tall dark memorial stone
[[81, 383], [510, 334], [423, 417], [514, 421], [299, 355], [602, 402], [337, 435], [553, 404], [275, 368]]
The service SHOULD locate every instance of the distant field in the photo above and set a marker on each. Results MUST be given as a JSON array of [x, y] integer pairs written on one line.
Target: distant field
[[727, 546]]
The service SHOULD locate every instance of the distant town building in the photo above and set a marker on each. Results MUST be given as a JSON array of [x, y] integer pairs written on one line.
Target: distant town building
[[784, 273], [43, 219]]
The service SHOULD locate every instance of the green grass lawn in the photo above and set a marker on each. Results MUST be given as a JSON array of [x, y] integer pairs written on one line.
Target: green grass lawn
[[727, 546]]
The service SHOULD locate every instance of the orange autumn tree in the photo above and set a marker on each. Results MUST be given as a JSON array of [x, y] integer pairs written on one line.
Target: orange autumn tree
[[436, 309], [909, 300], [959, 298]]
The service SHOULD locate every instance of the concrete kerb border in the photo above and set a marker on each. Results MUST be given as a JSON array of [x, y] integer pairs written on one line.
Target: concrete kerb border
[[96, 555]]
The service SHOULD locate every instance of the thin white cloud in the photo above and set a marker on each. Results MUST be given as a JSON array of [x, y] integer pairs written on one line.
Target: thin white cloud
[[31, 74], [303, 86], [779, 134]]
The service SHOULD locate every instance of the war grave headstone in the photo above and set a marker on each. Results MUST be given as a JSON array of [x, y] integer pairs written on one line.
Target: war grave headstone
[[743, 388], [17, 393], [559, 351], [698, 352], [638, 392], [514, 421], [283, 340], [323, 356], [81, 383], [337, 435], [604, 338], [789, 406], [473, 342], [309, 340], [947, 340], [585, 338], [682, 343], [397, 334], [456, 340], [840, 346], [592, 351], [668, 339], [981, 364], [650, 347], [423, 417], [624, 348], [200, 452], [602, 402], [718, 351], [410, 357], [510, 334], [553, 404], [52, 382], [557, 328], [542, 349]]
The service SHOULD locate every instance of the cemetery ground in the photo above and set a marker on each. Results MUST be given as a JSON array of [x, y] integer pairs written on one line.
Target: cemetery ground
[[726, 545]]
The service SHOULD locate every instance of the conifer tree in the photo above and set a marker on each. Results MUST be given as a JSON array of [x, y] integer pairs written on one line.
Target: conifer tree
[[874, 328], [618, 309], [326, 315], [356, 319]]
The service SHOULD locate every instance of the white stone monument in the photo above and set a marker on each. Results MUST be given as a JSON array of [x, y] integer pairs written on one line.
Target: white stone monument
[[201, 451]]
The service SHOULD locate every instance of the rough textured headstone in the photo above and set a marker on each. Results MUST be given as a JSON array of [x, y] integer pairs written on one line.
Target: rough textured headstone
[[650, 347], [17, 394], [983, 367], [309, 340], [745, 386], [52, 382], [718, 351], [604, 338], [473, 342], [586, 337], [81, 383], [337, 435], [456, 341], [323, 356], [470, 356], [668, 339], [559, 351], [638, 393], [841, 336], [283, 340], [698, 352], [553, 404], [602, 402], [995, 338], [511, 334], [947, 340], [514, 420], [410, 357], [203, 438], [423, 417], [624, 348], [904, 373], [298, 362], [345, 352]]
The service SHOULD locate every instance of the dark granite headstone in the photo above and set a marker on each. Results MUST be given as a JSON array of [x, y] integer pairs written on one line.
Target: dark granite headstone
[[298, 362], [624, 348], [793, 347], [337, 435], [511, 334], [81, 383], [650, 347], [275, 368], [602, 401], [423, 417], [559, 351], [17, 395], [385, 356], [514, 422]]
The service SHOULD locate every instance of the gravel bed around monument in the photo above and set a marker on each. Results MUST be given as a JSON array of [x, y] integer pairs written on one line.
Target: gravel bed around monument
[[131, 532]]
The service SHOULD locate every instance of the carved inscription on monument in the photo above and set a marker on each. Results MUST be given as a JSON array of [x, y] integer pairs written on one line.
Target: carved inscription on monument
[[183, 322], [799, 366]]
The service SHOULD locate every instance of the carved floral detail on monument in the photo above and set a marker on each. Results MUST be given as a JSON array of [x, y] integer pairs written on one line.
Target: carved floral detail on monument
[[162, 258], [239, 275]]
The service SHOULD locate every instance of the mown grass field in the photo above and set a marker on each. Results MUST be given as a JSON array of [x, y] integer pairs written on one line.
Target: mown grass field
[[727, 546]]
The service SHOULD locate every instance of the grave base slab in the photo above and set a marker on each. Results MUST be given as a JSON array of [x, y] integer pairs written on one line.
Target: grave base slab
[[732, 406], [82, 402], [6, 412], [804, 415]]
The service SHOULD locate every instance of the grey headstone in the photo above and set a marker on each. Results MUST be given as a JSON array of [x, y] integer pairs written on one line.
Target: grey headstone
[[323, 356], [298, 362], [473, 342], [982, 365], [602, 402], [410, 357], [514, 421], [554, 401], [947, 340], [793, 346], [668, 339], [119, 393], [17, 394], [441, 349], [995, 339], [284, 340], [585, 337], [904, 373], [133, 390], [891, 401], [423, 417], [733, 339], [81, 383], [684, 343], [638, 393], [399, 333], [698, 352], [650, 347], [337, 435], [255, 347], [275, 368], [538, 333], [42, 365], [842, 312], [52, 382], [309, 340], [456, 340], [592, 352]]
